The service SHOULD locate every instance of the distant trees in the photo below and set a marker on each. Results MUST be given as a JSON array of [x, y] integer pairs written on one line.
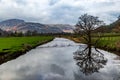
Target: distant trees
[[20, 34], [34, 33], [28, 33], [15, 34], [31, 33]]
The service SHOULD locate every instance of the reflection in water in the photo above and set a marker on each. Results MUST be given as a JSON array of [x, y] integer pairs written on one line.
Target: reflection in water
[[57, 63], [89, 61]]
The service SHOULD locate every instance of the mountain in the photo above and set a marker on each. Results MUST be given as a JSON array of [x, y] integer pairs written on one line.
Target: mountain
[[40, 28], [103, 29], [22, 26], [113, 27], [66, 28], [9, 24]]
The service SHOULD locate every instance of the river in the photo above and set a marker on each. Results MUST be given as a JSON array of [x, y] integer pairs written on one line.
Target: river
[[54, 61]]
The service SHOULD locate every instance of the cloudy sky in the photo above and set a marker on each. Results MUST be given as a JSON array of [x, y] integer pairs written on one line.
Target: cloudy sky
[[59, 11]]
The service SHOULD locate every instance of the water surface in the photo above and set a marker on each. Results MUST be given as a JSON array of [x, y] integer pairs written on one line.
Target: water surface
[[54, 61]]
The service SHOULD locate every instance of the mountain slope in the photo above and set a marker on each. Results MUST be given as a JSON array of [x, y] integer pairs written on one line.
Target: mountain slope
[[116, 26], [9, 24], [113, 27], [22, 26], [40, 28], [64, 27]]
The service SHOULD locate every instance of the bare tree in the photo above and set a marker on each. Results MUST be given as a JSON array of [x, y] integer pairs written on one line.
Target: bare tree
[[88, 60], [89, 64], [86, 24]]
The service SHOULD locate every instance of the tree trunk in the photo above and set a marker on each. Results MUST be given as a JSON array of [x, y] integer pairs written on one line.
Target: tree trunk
[[89, 43]]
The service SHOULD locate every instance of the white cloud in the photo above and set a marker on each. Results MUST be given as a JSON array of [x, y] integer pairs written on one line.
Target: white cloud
[[58, 11]]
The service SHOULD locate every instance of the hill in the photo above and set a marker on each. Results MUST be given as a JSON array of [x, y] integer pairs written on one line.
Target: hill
[[22, 26], [113, 27]]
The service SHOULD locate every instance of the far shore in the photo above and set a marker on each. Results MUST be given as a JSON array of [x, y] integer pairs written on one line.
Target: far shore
[[109, 49]]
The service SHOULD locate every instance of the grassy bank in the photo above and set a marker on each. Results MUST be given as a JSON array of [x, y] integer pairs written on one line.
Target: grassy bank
[[12, 47], [109, 43]]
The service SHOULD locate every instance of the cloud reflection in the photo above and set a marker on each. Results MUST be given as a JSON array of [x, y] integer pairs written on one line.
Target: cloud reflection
[[89, 64]]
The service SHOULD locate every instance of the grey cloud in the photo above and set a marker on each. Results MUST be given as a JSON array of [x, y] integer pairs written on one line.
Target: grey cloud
[[58, 11], [52, 2]]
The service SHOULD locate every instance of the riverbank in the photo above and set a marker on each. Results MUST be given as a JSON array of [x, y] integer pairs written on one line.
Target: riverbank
[[45, 63], [12, 47], [110, 44]]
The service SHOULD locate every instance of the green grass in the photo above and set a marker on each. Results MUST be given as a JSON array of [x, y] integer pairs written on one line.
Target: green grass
[[110, 43], [14, 44]]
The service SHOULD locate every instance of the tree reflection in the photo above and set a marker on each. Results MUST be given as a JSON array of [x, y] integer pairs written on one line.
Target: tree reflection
[[89, 60]]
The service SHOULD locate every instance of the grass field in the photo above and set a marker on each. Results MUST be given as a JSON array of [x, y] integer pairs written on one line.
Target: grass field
[[108, 41], [14, 44]]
